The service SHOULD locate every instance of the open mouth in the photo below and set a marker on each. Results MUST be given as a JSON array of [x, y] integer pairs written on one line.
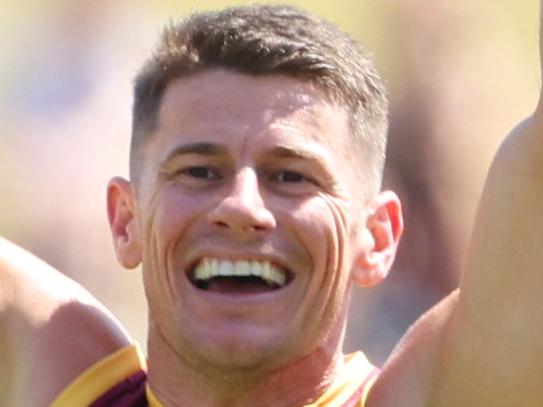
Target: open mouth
[[238, 277]]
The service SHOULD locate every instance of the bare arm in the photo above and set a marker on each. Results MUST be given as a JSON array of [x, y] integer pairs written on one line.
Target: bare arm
[[51, 329], [483, 345], [407, 376], [492, 350]]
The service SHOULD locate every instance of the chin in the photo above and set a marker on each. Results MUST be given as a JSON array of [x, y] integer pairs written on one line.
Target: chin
[[247, 352]]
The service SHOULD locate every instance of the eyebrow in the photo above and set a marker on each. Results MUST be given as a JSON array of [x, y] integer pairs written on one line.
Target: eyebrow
[[307, 155], [292, 153], [211, 149], [196, 148]]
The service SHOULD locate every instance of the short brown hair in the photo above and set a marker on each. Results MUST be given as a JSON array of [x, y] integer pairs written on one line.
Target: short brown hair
[[268, 39]]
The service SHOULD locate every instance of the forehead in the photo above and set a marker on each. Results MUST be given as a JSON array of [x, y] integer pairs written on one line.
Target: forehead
[[220, 102]]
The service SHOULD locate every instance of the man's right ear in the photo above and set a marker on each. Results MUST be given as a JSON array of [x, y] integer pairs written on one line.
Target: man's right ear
[[123, 223]]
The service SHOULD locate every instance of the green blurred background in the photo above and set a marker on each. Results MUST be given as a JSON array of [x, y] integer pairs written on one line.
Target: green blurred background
[[460, 74]]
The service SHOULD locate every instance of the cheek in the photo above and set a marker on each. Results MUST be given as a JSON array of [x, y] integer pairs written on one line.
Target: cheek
[[316, 228], [323, 227], [167, 223], [169, 215], [327, 222]]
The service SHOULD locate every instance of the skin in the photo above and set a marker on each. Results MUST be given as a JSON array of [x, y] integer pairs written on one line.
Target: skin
[[42, 317], [496, 324], [481, 346], [244, 168]]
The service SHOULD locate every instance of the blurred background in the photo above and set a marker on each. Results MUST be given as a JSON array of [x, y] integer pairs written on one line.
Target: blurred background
[[460, 75]]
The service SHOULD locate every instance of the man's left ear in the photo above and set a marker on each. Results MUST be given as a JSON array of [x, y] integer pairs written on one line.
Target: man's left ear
[[379, 241]]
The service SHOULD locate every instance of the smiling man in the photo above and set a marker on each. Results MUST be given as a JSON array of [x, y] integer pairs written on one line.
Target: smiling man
[[254, 207], [246, 237]]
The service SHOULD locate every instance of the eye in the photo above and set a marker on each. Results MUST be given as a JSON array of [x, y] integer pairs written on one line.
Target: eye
[[290, 177], [200, 172], [292, 181]]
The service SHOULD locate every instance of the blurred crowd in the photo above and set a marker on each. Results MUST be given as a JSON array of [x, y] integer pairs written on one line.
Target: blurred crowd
[[460, 74]]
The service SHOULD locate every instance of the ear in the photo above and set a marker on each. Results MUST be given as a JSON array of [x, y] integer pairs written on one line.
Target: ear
[[123, 223], [379, 241]]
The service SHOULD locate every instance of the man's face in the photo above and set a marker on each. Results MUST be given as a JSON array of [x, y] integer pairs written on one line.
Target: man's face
[[246, 212]]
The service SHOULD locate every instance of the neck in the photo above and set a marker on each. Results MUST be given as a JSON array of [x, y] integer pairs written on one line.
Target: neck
[[178, 383]]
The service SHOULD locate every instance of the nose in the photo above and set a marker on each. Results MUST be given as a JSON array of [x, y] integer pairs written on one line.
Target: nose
[[242, 210]]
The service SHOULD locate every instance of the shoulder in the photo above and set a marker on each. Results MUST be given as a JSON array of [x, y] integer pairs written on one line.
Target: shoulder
[[52, 328]]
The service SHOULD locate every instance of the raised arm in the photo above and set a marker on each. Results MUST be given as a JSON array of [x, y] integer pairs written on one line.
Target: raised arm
[[492, 350], [483, 345], [51, 329]]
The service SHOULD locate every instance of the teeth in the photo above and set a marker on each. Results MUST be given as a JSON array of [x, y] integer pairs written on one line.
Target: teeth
[[224, 268], [256, 269], [242, 268], [266, 271], [210, 267]]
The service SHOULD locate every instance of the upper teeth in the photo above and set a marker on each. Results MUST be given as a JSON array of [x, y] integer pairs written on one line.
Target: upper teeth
[[210, 267]]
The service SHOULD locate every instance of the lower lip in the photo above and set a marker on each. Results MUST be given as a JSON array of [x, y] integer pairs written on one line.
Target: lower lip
[[251, 296], [243, 286]]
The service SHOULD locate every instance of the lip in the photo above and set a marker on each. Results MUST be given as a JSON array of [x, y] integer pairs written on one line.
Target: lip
[[250, 300], [255, 307]]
